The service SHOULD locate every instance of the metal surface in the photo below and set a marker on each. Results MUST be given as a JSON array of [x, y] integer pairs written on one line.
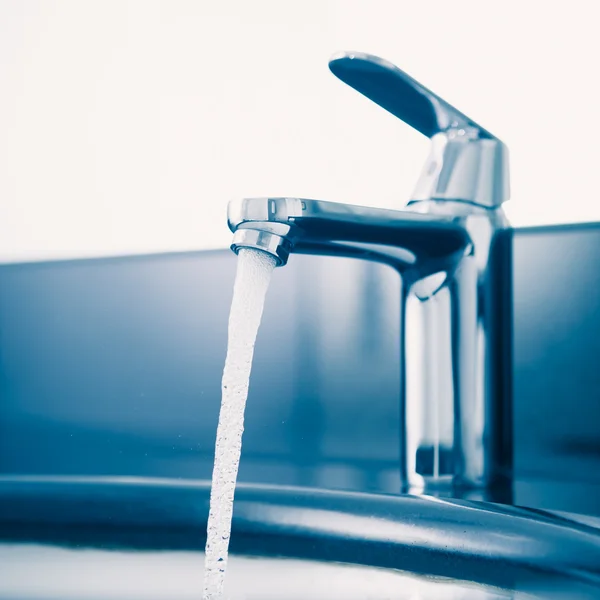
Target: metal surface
[[454, 255], [509, 551]]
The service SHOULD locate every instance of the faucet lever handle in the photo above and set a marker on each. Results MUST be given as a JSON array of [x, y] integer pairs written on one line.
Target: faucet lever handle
[[400, 94], [466, 162]]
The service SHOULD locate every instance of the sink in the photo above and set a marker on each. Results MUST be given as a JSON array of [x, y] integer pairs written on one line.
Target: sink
[[100, 538]]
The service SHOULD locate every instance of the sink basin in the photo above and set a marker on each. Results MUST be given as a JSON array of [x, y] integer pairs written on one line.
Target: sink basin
[[101, 538]]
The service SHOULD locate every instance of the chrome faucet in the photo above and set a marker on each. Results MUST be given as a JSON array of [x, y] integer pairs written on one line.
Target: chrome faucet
[[451, 245]]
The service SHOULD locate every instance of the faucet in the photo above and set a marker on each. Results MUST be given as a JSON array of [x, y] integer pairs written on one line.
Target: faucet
[[451, 245]]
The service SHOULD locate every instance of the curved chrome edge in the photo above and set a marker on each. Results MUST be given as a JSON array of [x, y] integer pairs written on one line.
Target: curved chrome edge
[[415, 533]]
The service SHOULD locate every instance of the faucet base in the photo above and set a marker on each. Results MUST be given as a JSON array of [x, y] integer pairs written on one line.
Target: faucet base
[[499, 493], [431, 486]]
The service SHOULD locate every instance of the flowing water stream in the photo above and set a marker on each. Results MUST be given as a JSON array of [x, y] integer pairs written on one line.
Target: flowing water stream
[[251, 283]]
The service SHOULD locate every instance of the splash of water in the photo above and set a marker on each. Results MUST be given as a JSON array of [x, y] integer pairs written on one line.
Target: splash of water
[[251, 283]]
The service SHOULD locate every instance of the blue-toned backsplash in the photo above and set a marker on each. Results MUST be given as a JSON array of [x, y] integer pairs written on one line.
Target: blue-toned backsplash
[[113, 366]]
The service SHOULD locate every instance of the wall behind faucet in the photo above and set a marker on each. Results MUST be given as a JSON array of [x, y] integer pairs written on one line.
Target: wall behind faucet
[[127, 125], [113, 366]]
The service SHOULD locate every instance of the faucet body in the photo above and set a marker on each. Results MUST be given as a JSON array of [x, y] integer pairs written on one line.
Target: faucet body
[[451, 246]]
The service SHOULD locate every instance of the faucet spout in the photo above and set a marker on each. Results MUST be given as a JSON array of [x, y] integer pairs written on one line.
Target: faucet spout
[[401, 238]]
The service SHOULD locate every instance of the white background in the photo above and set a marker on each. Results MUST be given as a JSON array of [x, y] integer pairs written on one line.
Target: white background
[[125, 127]]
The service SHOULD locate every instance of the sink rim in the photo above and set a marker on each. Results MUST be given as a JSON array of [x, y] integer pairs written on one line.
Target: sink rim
[[496, 545]]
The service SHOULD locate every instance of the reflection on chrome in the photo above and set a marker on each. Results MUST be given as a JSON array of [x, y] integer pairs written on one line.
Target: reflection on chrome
[[372, 529]]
